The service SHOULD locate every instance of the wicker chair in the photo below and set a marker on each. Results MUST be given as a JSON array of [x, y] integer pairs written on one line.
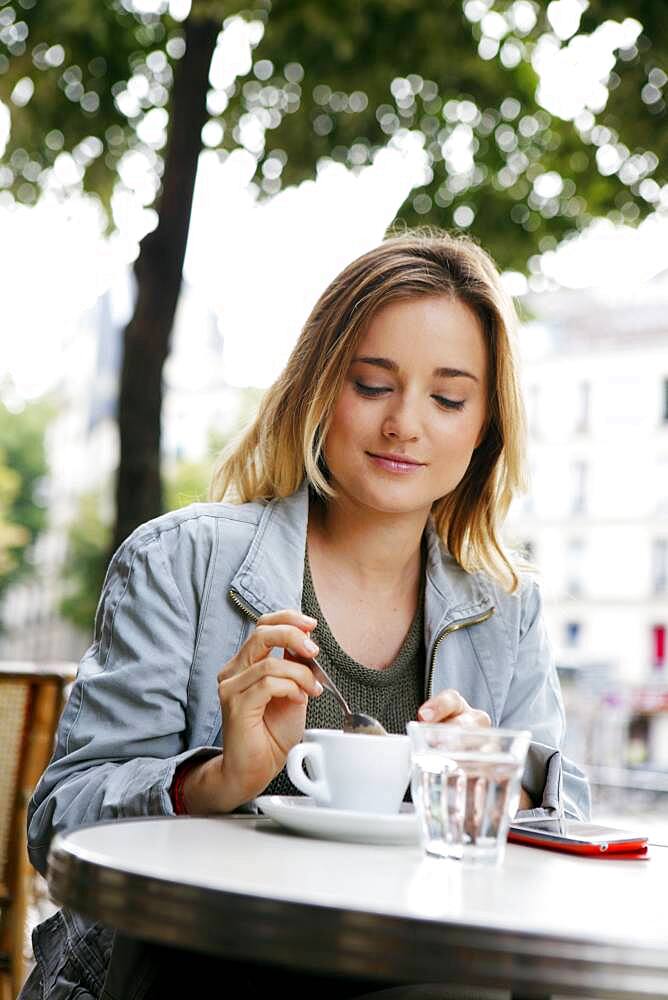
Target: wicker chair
[[31, 698]]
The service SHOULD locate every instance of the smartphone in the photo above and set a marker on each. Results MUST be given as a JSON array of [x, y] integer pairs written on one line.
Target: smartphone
[[578, 837]]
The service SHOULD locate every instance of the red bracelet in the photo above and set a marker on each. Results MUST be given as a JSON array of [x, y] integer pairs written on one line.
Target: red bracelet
[[176, 790]]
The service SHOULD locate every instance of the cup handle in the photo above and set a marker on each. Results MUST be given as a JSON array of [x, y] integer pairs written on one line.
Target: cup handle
[[318, 788]]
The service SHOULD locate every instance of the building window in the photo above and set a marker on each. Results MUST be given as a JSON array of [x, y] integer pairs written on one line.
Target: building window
[[660, 566], [575, 551], [658, 647], [579, 494], [583, 407], [572, 633], [665, 401], [661, 485], [529, 550]]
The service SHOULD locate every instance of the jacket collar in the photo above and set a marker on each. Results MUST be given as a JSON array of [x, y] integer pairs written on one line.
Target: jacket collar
[[451, 593], [271, 576]]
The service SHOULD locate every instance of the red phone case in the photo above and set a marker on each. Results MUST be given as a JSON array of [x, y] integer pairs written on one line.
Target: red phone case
[[624, 850]]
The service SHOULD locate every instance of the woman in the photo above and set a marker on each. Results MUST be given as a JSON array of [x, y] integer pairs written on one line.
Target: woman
[[362, 523]]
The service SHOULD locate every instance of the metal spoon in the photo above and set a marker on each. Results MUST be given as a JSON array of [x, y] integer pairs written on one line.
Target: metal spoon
[[353, 722]]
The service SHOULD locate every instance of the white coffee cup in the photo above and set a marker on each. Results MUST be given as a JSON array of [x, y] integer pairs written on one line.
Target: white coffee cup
[[352, 771]]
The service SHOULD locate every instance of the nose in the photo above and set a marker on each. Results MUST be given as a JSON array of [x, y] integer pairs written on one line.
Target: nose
[[401, 422]]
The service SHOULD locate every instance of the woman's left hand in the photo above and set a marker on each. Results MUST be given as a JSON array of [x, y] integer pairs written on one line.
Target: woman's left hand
[[450, 706]]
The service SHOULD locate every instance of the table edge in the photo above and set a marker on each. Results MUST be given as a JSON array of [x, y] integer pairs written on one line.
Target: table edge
[[373, 945]]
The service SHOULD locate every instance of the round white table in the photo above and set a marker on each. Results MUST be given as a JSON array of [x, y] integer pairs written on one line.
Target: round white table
[[241, 887]]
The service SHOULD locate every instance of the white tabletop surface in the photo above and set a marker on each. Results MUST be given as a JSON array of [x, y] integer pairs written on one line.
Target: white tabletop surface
[[539, 892]]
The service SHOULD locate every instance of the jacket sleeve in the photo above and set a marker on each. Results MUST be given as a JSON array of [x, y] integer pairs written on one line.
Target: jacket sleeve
[[534, 702], [122, 733]]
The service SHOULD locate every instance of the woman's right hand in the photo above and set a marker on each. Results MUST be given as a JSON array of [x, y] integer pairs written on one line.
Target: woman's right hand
[[263, 700]]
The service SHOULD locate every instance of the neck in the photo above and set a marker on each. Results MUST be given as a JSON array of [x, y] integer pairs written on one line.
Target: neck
[[372, 550]]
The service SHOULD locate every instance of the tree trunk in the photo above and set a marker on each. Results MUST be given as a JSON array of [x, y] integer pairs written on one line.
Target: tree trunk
[[158, 271]]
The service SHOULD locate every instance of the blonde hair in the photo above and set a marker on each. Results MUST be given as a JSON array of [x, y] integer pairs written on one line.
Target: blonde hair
[[285, 441]]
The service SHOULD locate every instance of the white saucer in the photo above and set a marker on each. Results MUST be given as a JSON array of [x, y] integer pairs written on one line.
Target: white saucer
[[302, 815]]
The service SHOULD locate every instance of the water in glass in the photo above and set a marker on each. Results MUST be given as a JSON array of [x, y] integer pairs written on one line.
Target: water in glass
[[464, 803], [482, 814], [436, 790]]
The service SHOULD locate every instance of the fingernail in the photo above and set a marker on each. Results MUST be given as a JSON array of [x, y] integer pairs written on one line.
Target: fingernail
[[318, 687], [307, 618], [427, 714], [310, 646]]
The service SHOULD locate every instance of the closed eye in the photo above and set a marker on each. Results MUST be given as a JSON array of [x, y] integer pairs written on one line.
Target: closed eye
[[449, 404], [371, 390]]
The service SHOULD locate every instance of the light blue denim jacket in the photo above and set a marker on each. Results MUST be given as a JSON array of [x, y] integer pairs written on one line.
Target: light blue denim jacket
[[171, 614]]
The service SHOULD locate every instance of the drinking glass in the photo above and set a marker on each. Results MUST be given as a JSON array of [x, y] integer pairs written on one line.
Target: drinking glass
[[465, 785]]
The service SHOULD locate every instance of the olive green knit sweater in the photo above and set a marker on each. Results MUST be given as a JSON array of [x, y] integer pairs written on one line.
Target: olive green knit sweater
[[392, 695]]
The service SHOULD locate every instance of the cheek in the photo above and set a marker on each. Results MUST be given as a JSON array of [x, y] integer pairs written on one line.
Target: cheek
[[472, 430], [459, 438], [347, 421]]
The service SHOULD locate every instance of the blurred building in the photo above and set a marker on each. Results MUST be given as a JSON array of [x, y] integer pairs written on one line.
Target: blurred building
[[595, 522], [82, 450]]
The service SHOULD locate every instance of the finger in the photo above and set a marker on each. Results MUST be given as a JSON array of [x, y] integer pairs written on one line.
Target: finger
[[482, 719], [288, 616], [288, 637], [256, 697], [444, 706], [262, 641], [235, 684], [472, 719]]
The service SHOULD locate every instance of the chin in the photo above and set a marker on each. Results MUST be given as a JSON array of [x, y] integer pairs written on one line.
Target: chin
[[390, 498]]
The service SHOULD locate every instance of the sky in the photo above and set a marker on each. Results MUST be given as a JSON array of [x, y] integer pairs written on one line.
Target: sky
[[260, 267]]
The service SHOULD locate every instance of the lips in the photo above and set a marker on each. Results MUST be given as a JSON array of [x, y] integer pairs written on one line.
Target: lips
[[402, 459], [395, 463]]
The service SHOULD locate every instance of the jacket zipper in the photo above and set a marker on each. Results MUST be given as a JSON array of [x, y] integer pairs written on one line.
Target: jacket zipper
[[453, 627], [243, 605]]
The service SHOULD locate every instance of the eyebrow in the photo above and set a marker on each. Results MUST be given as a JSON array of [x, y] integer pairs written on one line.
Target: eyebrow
[[392, 366]]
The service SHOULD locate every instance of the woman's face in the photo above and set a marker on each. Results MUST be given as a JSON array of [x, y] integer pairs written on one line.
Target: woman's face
[[412, 409]]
